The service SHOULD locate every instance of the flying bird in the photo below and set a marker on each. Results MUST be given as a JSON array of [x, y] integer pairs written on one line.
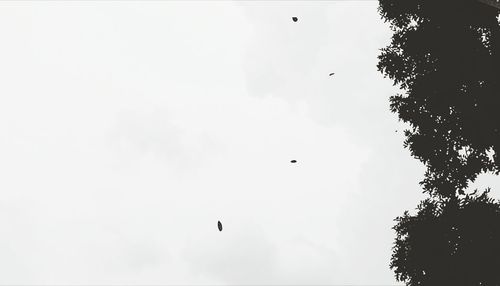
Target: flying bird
[[219, 225], [293, 161], [294, 19], [331, 73]]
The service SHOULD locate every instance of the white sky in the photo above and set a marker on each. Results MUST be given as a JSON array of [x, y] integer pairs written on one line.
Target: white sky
[[127, 130]]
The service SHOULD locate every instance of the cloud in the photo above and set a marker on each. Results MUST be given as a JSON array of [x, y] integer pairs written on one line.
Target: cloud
[[125, 138], [239, 253]]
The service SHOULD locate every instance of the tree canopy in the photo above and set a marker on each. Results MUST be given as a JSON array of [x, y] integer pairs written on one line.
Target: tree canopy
[[445, 56], [452, 243]]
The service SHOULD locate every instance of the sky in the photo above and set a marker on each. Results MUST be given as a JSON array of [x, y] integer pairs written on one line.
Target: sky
[[128, 129]]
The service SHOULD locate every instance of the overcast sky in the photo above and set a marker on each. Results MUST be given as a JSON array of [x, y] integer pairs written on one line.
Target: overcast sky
[[127, 130]]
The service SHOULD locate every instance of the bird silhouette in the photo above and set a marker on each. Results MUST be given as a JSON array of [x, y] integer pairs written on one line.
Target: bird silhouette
[[295, 19], [293, 161], [332, 73], [219, 225]]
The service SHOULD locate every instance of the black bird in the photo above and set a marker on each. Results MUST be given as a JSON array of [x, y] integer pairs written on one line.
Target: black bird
[[293, 161], [294, 19], [332, 73], [219, 225]]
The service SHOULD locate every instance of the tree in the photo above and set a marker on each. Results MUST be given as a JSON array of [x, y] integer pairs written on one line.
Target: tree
[[452, 242], [445, 56]]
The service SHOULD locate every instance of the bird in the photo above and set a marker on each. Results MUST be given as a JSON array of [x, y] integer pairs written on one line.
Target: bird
[[294, 19], [331, 74], [219, 225], [293, 161]]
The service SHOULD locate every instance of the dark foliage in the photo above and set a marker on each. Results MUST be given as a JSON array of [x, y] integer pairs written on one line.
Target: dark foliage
[[453, 242], [445, 55]]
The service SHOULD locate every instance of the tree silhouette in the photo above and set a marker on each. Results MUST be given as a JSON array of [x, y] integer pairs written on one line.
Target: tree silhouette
[[445, 56], [451, 242]]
